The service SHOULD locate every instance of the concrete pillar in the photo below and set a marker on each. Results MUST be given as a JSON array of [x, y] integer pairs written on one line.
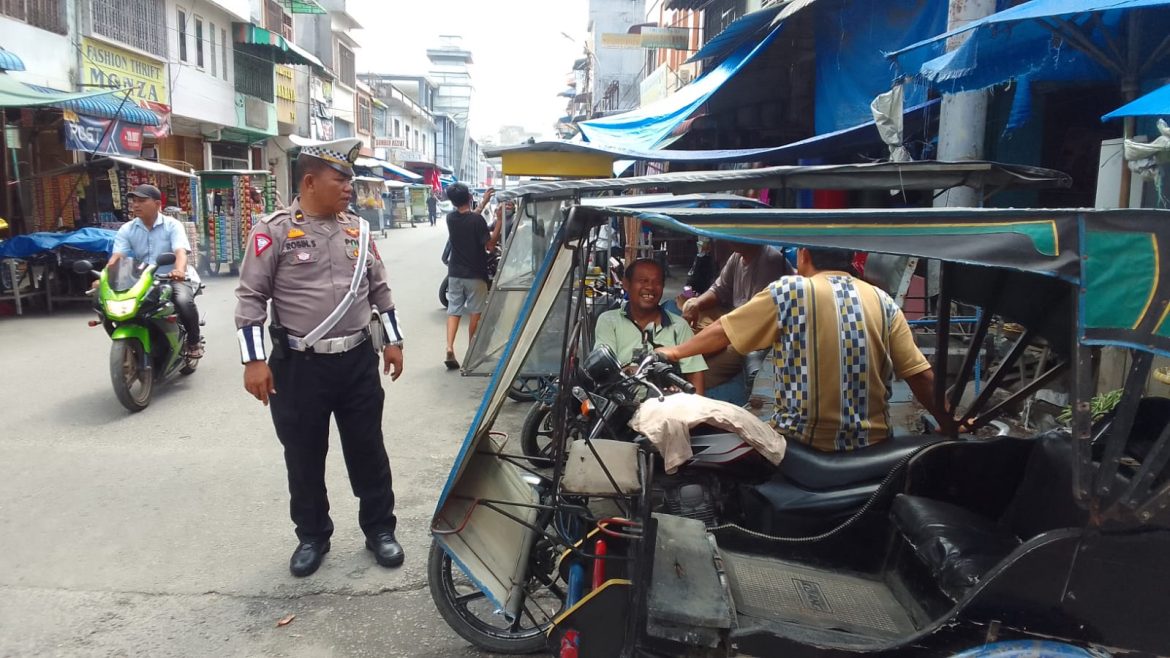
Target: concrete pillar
[[963, 116]]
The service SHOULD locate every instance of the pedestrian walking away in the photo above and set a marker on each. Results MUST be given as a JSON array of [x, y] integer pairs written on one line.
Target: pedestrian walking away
[[432, 207], [319, 362], [467, 269]]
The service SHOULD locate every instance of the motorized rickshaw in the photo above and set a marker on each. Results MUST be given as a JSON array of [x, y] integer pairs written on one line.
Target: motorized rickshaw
[[538, 205], [1062, 537]]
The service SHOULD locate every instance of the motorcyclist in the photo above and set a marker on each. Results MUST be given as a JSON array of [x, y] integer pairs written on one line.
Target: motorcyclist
[[838, 344], [151, 234]]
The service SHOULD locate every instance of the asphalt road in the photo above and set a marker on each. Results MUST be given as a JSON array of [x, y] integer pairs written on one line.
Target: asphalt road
[[166, 533]]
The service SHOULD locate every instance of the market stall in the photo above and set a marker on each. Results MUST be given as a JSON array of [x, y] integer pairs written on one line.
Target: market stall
[[231, 201], [368, 192]]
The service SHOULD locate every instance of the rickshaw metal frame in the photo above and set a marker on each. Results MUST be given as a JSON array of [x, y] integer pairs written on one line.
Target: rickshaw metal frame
[[1069, 265]]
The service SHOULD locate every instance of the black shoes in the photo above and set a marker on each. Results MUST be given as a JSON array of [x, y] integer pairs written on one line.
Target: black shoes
[[386, 549], [307, 558]]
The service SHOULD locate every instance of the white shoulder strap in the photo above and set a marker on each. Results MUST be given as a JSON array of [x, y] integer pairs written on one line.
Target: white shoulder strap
[[351, 295]]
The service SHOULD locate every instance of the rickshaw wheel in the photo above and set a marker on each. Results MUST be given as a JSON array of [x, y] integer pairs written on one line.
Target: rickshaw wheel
[[525, 389], [469, 612], [536, 435]]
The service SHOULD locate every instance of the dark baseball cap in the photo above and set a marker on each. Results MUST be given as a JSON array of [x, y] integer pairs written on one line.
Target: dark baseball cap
[[146, 192]]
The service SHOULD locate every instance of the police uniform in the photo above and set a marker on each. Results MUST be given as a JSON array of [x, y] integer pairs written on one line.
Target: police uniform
[[305, 266]]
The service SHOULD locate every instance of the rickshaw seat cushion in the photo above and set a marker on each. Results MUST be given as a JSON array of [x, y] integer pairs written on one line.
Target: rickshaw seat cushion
[[584, 474], [957, 545], [818, 470]]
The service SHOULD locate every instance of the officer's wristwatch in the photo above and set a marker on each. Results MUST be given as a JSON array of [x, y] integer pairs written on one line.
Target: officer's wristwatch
[[394, 343]]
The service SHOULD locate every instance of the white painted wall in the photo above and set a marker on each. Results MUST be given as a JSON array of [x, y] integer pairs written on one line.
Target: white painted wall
[[50, 58], [195, 93]]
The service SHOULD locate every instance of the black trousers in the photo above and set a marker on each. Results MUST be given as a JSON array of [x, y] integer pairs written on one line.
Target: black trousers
[[309, 389], [183, 295]]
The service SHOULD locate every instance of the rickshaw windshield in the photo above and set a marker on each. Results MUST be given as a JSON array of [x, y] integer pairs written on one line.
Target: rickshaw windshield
[[123, 274]]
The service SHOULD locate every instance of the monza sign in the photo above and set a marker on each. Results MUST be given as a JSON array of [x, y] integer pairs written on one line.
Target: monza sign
[[107, 66]]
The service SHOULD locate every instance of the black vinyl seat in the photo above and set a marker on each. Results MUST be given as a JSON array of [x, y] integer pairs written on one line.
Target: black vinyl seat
[[960, 546], [833, 470]]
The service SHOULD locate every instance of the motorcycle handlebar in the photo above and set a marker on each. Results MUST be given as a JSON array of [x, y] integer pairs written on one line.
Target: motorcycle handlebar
[[682, 384]]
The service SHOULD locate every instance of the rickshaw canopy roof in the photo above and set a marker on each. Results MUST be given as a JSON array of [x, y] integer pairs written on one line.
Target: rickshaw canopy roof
[[1115, 257], [918, 175]]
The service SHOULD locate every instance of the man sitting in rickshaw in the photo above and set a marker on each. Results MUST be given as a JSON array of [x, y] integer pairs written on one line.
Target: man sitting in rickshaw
[[838, 343], [643, 320]]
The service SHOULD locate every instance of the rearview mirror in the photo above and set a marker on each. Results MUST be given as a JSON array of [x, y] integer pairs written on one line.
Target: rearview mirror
[[82, 266], [165, 259]]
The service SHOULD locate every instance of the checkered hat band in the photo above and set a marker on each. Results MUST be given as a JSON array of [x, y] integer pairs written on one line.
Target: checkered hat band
[[327, 154]]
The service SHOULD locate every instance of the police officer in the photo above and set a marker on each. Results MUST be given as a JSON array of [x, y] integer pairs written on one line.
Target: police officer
[[306, 258]]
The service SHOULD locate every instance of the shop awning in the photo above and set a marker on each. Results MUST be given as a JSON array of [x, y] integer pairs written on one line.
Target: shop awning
[[734, 35], [302, 6], [389, 167], [249, 37], [9, 61], [106, 104], [150, 165], [1154, 104], [427, 166], [646, 127], [1019, 42]]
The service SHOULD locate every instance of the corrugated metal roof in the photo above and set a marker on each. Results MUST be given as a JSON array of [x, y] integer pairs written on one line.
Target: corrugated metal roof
[[113, 105]]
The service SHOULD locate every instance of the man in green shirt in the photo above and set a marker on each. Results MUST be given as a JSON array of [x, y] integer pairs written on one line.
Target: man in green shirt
[[624, 330]]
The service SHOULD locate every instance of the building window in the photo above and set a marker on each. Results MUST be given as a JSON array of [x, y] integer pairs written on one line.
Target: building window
[[364, 122], [397, 128], [137, 23], [223, 51], [254, 77], [286, 27], [211, 47], [424, 144], [346, 66], [198, 42], [181, 25], [45, 14], [273, 16]]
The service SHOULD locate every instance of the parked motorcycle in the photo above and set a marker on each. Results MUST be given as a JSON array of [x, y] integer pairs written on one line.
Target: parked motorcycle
[[726, 480], [137, 312]]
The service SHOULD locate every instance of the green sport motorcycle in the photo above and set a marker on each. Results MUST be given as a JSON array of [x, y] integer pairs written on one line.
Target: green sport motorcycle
[[137, 312]]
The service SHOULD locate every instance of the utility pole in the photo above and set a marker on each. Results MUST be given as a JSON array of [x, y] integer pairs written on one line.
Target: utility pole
[[963, 117]]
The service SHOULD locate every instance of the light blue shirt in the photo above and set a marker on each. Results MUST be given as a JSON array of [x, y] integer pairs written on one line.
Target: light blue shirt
[[168, 234]]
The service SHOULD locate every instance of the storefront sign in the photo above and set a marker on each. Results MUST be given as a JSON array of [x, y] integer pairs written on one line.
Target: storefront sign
[[618, 40], [651, 37], [677, 38], [656, 85], [103, 65], [286, 94], [108, 136]]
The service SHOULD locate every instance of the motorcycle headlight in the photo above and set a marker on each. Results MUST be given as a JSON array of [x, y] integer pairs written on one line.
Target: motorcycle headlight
[[120, 307]]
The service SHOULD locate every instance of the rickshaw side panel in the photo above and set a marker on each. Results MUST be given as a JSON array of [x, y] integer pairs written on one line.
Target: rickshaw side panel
[[1108, 590]]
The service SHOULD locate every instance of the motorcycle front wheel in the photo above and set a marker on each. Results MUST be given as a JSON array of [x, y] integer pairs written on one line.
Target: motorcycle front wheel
[[132, 384], [469, 612]]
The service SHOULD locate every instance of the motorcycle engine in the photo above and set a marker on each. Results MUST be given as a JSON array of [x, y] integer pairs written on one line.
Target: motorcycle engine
[[690, 497]]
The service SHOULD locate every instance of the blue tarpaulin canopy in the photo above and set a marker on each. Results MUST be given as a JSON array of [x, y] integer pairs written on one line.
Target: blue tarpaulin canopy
[[646, 127], [96, 240], [1019, 42], [840, 143], [1156, 103], [733, 36]]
